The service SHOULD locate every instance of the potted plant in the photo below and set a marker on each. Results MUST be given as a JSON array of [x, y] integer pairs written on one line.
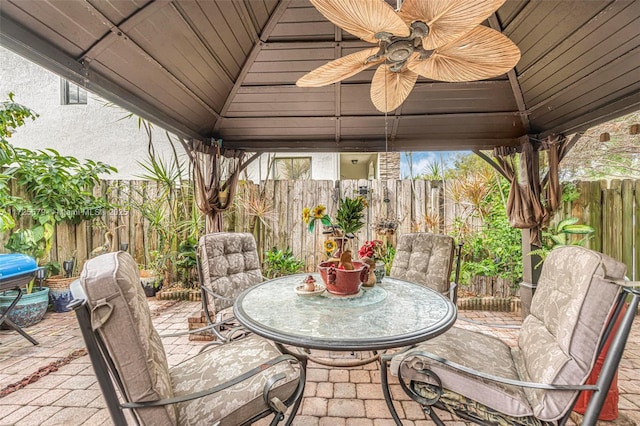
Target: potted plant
[[341, 275], [349, 220], [373, 253], [32, 306], [151, 277]]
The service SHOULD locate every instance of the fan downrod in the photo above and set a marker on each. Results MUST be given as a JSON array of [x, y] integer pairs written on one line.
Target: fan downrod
[[397, 50]]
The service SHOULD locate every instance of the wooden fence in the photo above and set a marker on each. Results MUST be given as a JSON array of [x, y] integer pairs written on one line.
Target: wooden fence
[[273, 212], [612, 208]]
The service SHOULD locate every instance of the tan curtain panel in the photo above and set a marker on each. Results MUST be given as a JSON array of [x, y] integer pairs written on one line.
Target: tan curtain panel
[[215, 174], [528, 206]]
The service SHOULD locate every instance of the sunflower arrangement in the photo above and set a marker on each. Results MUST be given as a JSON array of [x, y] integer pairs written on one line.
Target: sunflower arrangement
[[349, 217]]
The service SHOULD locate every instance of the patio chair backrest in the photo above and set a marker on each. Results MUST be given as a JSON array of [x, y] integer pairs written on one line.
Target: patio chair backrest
[[424, 258], [230, 264], [120, 315], [558, 340]]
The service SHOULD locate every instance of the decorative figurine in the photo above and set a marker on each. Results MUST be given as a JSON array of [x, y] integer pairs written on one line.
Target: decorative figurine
[[345, 261], [309, 283]]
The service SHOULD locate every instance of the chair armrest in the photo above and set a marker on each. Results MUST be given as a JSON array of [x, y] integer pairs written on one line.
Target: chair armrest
[[491, 377], [214, 389]]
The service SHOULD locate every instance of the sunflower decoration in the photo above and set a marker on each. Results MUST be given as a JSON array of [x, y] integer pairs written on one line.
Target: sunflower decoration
[[319, 212], [330, 246]]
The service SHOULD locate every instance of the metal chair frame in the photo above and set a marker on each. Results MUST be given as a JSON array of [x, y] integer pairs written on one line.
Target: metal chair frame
[[600, 389], [105, 370]]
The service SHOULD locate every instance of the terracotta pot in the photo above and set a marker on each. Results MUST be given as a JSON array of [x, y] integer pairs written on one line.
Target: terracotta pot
[[343, 282]]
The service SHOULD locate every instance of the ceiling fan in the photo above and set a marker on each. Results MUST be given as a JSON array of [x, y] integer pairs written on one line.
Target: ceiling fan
[[437, 39]]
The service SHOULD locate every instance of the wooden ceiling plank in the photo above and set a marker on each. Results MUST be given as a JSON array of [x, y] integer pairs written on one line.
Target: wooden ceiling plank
[[121, 34], [117, 31], [614, 48], [268, 28], [556, 59], [623, 106], [513, 81], [589, 82]]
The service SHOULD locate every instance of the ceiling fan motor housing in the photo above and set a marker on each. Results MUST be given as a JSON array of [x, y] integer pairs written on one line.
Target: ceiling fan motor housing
[[398, 50]]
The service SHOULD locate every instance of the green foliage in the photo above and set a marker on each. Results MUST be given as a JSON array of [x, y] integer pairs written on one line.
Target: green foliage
[[561, 235], [570, 192], [60, 187], [57, 188], [186, 261], [12, 116], [350, 214], [493, 247], [388, 258], [280, 262], [174, 219], [494, 250]]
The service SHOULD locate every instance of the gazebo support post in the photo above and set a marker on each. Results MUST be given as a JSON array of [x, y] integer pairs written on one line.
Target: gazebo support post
[[530, 274]]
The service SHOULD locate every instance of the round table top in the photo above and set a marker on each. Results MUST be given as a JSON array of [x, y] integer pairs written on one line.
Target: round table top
[[391, 314]]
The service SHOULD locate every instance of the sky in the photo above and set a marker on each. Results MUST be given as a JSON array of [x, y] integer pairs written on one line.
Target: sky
[[421, 161]]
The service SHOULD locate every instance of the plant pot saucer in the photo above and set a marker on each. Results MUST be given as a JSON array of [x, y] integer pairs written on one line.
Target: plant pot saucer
[[304, 293]]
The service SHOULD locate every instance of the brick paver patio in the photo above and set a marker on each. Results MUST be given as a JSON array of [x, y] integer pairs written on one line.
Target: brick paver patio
[[69, 394]]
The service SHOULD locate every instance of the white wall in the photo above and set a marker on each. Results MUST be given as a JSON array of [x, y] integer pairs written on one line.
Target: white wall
[[92, 131], [324, 166]]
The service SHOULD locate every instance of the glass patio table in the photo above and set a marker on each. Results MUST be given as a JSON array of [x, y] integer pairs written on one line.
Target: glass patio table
[[391, 314]]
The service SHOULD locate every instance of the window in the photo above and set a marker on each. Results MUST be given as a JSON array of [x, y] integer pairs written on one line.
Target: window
[[72, 94], [292, 168]]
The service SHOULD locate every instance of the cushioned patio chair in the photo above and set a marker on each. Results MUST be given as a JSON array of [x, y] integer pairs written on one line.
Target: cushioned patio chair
[[228, 264], [427, 259], [481, 379], [231, 384]]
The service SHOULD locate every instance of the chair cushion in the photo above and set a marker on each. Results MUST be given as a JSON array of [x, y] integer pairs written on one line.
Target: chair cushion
[[240, 402], [569, 310], [424, 258], [230, 265], [120, 314], [475, 350]]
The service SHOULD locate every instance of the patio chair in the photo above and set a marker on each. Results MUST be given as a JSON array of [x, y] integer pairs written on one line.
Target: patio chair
[[231, 384], [427, 259], [579, 296], [228, 264]]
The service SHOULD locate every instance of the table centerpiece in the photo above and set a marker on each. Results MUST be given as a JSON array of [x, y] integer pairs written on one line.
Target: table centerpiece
[[341, 274]]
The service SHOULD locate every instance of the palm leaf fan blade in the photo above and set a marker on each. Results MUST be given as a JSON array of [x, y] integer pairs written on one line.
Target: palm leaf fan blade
[[338, 70], [483, 53], [390, 89], [363, 18], [448, 20]]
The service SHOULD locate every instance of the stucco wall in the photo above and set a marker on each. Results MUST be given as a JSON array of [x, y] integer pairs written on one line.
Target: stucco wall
[[324, 166], [92, 131]]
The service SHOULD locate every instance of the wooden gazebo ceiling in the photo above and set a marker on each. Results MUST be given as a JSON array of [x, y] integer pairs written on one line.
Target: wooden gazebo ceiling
[[226, 69]]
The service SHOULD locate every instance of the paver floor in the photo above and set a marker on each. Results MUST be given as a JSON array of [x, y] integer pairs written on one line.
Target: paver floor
[[69, 394]]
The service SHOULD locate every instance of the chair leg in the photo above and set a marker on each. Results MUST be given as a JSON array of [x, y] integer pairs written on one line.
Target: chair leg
[[611, 362], [297, 396], [386, 392]]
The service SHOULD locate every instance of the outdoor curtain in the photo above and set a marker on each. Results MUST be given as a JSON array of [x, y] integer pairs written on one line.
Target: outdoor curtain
[[531, 202], [215, 174]]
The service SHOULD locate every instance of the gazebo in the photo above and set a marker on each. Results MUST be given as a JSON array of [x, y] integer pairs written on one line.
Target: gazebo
[[221, 75]]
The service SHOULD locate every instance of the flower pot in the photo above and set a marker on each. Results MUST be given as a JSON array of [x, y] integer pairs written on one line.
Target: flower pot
[[379, 271], [29, 310], [59, 292], [151, 285], [342, 282]]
